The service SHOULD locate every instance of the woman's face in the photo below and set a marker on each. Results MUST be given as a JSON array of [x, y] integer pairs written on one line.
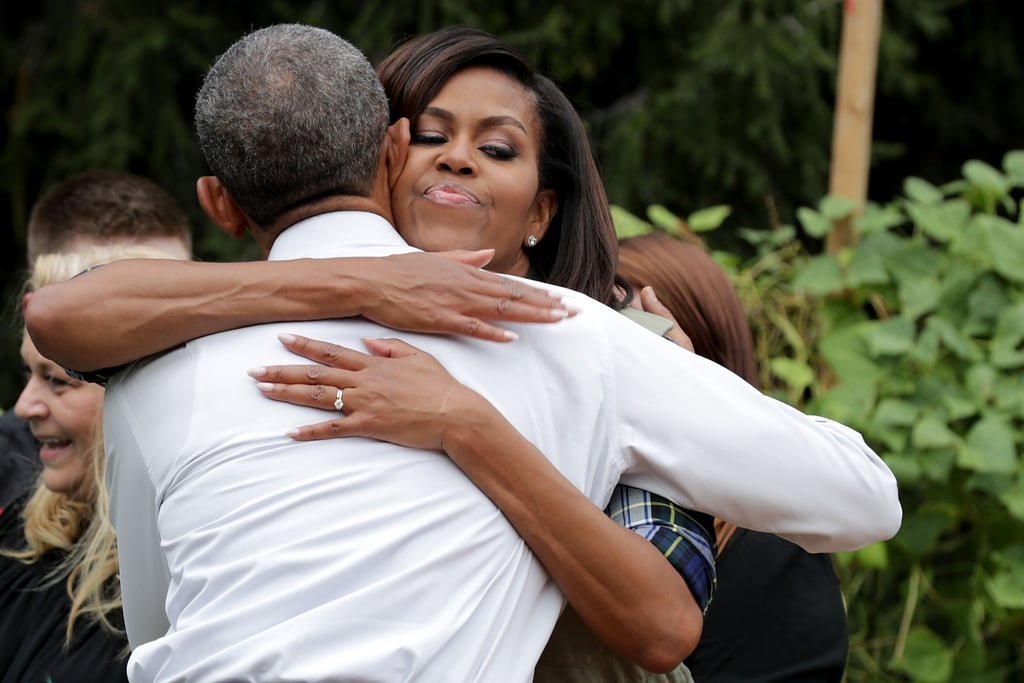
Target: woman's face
[[471, 179], [63, 414]]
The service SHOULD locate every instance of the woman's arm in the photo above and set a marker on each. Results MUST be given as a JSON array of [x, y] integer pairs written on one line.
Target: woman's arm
[[620, 584], [126, 310]]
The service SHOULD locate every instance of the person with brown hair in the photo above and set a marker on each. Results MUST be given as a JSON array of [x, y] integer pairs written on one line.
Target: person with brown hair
[[798, 630], [102, 206]]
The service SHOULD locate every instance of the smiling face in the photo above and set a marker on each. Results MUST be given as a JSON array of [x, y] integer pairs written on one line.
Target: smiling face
[[63, 414], [471, 178]]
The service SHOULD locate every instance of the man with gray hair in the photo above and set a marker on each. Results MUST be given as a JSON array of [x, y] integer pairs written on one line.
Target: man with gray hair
[[359, 560]]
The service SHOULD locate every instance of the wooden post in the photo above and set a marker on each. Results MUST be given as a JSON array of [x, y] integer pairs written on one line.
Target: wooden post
[[855, 101]]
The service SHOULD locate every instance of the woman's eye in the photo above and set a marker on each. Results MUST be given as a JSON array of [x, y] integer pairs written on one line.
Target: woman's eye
[[499, 151], [57, 383], [428, 139]]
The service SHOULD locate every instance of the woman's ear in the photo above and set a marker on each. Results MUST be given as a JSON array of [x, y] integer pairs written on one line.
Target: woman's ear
[[221, 207], [545, 206], [399, 137]]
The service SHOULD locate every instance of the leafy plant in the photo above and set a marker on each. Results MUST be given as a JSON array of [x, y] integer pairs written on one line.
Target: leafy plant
[[914, 335]]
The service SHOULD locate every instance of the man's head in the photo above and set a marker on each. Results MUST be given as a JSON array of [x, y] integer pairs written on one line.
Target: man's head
[[291, 114], [102, 207]]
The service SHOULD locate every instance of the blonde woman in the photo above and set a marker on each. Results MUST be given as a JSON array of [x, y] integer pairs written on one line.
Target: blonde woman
[[60, 602]]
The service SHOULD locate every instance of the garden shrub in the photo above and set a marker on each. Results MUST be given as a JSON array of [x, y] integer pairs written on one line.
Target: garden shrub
[[914, 335]]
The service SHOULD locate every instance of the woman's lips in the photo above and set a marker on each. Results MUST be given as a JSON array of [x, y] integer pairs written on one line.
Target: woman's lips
[[450, 194], [52, 449]]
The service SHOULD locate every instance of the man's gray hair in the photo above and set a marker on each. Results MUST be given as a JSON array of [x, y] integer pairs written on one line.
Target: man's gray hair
[[290, 114]]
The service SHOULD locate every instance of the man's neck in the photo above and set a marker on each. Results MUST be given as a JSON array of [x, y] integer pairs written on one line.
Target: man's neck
[[289, 218]]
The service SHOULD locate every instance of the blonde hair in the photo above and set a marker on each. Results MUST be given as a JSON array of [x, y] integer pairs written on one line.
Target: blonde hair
[[78, 523]]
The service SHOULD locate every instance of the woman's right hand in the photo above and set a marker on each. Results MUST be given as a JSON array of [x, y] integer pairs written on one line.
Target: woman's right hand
[[398, 394], [438, 293]]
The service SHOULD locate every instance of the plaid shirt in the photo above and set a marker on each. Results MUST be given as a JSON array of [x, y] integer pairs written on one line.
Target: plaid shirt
[[684, 537]]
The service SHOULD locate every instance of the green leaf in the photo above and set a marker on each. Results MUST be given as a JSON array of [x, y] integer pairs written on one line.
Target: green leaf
[[819, 275], [942, 221], [989, 446], [918, 297], [866, 268], [1009, 394], [1007, 587], [921, 191], [913, 261], [983, 175], [921, 529], [836, 208], [985, 303], [628, 225], [1013, 164], [1006, 247], [796, 375], [892, 337], [931, 432], [849, 403], [964, 347], [905, 468], [813, 223], [936, 463], [897, 412], [1013, 499], [1007, 347], [846, 352], [926, 658], [876, 219], [980, 381], [708, 218], [664, 220], [874, 556]]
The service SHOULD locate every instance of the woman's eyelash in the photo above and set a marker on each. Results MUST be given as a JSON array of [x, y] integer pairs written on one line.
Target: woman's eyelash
[[496, 151], [427, 138], [499, 151], [55, 381]]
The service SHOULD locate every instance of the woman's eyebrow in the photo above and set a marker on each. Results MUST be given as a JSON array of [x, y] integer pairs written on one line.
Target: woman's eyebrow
[[489, 122]]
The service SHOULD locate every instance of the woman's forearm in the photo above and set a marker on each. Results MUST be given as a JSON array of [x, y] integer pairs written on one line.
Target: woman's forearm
[[130, 309], [622, 587]]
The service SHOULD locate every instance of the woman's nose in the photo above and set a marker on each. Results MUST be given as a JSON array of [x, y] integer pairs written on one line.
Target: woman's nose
[[457, 158], [30, 404]]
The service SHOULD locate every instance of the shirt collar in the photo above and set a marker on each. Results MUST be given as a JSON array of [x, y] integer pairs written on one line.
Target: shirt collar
[[335, 234]]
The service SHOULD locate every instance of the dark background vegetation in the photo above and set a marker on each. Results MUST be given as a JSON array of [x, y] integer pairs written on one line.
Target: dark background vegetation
[[690, 103]]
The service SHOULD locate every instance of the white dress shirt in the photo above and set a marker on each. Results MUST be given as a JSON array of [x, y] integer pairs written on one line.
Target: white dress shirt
[[358, 560]]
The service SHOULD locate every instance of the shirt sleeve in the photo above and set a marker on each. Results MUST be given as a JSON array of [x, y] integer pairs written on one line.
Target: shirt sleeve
[[684, 537], [692, 431]]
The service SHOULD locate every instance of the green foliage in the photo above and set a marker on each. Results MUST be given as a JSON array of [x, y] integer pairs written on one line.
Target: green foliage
[[688, 103], [914, 335]]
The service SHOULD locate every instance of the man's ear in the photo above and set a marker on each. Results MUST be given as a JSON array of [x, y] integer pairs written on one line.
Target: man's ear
[[221, 207], [398, 139]]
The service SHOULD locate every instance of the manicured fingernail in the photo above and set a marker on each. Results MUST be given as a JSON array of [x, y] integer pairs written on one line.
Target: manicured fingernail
[[292, 433], [510, 335], [571, 306], [264, 386], [256, 372], [286, 338], [650, 291]]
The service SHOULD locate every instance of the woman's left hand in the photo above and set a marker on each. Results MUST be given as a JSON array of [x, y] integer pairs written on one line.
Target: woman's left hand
[[649, 303], [398, 394]]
